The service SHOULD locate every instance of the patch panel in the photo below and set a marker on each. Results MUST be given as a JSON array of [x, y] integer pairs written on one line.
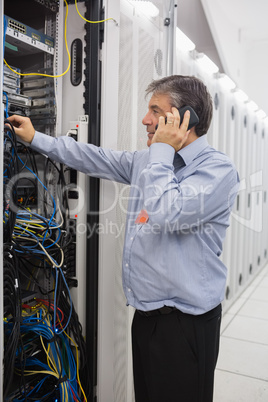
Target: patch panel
[[29, 40], [17, 26]]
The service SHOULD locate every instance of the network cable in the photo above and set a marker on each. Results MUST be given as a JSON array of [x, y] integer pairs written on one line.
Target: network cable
[[39, 333], [93, 22], [67, 50]]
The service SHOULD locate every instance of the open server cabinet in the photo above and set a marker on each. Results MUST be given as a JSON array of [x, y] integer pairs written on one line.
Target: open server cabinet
[[50, 72], [100, 100]]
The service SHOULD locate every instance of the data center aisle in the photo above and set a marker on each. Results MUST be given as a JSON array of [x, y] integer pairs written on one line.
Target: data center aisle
[[242, 369]]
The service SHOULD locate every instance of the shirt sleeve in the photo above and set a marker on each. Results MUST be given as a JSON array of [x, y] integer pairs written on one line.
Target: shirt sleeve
[[207, 194], [87, 158]]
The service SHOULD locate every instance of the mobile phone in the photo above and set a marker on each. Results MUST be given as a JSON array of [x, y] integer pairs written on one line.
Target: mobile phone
[[194, 119]]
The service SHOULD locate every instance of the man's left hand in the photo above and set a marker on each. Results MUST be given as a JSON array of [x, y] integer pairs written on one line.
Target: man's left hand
[[172, 132]]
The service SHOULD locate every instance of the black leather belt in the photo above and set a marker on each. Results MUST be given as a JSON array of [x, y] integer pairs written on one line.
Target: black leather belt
[[159, 311]]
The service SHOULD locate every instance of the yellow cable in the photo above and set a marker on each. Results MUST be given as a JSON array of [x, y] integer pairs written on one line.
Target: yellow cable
[[39, 222], [31, 372], [35, 226], [52, 372], [91, 22], [77, 365], [62, 385], [49, 360], [50, 258], [23, 231], [66, 45], [53, 263]]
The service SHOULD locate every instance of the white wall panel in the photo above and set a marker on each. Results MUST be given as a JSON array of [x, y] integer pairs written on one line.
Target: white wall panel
[[138, 58]]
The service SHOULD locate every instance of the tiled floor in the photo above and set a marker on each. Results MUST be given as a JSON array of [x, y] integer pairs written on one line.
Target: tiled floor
[[242, 369]]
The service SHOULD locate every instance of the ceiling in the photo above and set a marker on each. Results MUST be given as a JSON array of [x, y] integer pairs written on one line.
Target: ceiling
[[234, 34], [248, 15]]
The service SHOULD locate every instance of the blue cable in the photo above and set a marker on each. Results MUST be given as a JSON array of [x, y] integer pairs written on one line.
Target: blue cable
[[25, 230], [6, 109], [4, 38], [22, 215], [38, 386], [50, 223], [22, 212], [55, 305], [55, 301], [46, 331], [54, 203], [43, 328]]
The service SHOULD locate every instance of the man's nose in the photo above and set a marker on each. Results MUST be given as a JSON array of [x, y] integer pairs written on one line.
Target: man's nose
[[147, 121]]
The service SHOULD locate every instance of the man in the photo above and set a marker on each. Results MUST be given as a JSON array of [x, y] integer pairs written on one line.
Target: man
[[181, 196]]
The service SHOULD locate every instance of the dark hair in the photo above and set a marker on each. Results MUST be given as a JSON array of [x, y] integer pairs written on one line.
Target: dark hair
[[186, 90]]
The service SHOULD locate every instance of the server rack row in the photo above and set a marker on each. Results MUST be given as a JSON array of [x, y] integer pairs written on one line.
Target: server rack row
[[140, 55]]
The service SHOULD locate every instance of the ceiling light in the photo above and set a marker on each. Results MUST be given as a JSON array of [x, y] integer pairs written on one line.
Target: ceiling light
[[183, 42], [253, 106], [260, 113], [206, 63], [226, 82], [146, 7], [240, 95]]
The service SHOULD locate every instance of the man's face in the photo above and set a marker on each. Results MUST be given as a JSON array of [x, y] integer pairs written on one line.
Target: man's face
[[158, 106]]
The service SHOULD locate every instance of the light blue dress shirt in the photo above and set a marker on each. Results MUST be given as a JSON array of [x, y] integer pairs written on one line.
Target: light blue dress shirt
[[171, 257]]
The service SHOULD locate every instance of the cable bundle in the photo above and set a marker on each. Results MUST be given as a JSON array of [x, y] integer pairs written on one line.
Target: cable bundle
[[11, 169], [12, 309], [52, 362], [44, 348]]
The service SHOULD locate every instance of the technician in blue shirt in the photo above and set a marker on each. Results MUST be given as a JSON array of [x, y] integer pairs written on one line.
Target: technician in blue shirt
[[182, 192]]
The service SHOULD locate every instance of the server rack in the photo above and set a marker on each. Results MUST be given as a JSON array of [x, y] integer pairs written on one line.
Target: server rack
[[36, 33]]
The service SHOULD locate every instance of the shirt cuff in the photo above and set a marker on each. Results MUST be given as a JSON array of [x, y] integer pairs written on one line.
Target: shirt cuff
[[41, 142], [159, 152]]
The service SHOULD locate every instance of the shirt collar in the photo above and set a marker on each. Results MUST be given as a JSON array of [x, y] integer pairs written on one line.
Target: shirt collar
[[192, 150]]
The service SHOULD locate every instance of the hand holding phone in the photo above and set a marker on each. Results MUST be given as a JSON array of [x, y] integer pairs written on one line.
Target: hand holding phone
[[177, 133], [194, 119]]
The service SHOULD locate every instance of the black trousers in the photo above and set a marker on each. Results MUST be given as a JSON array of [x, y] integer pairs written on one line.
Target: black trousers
[[175, 355]]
